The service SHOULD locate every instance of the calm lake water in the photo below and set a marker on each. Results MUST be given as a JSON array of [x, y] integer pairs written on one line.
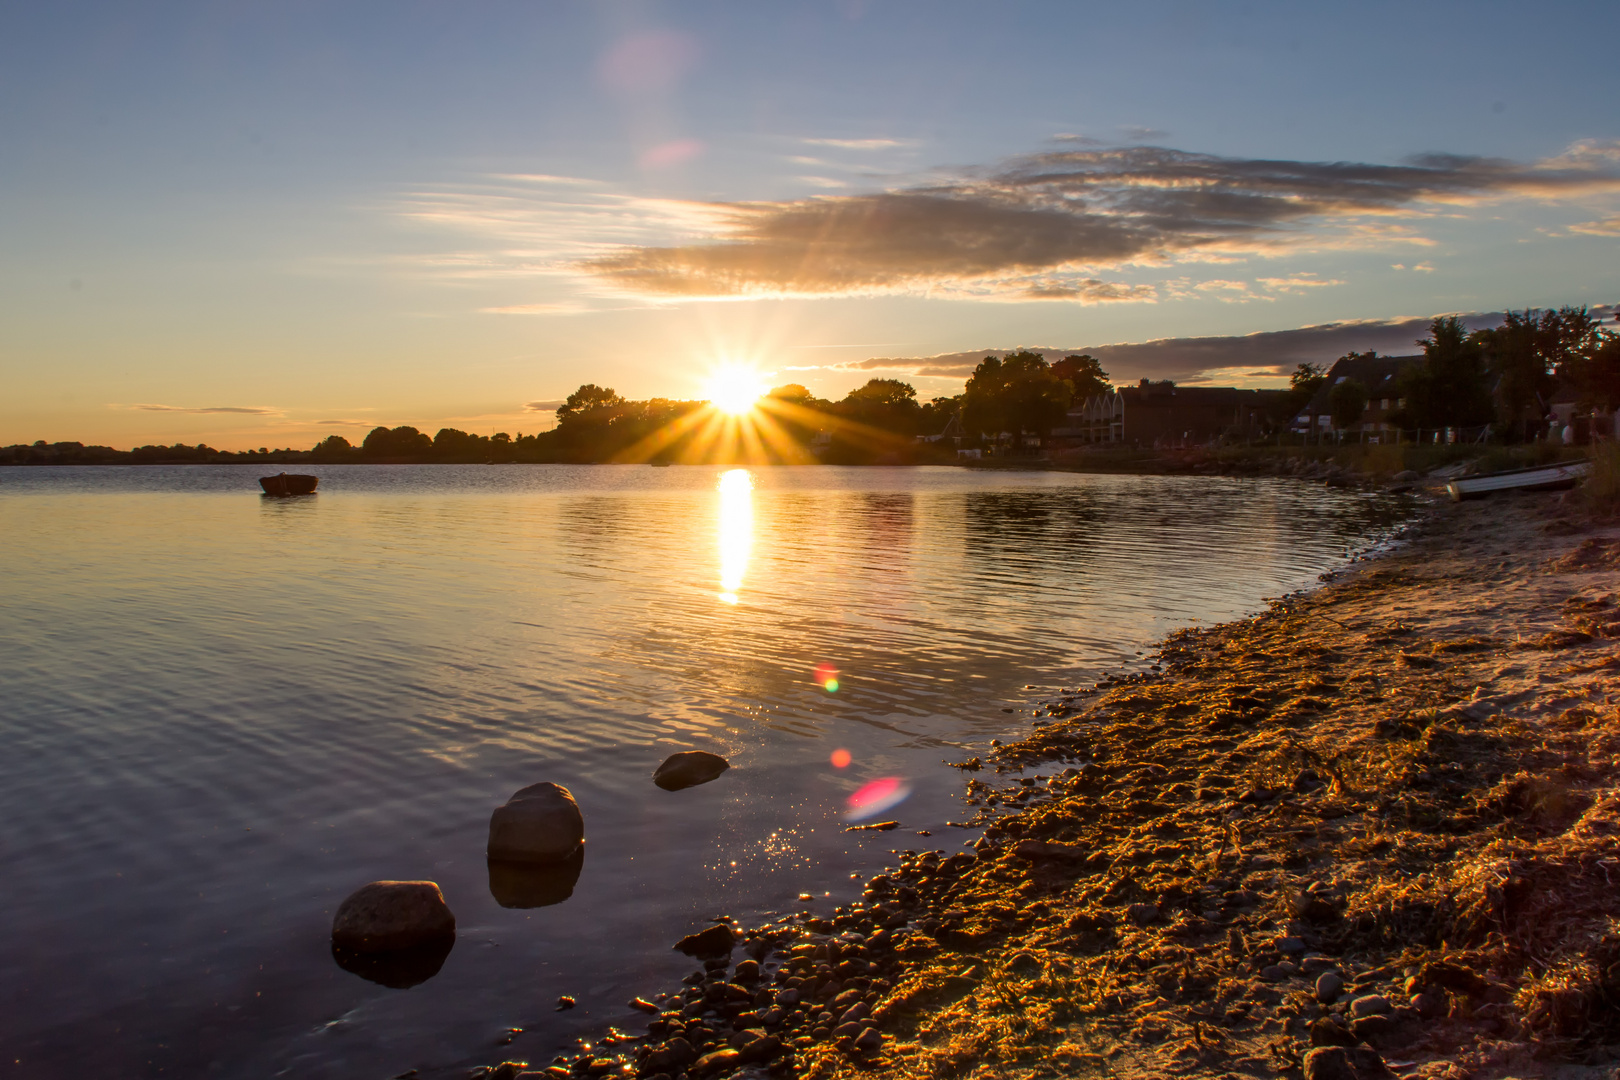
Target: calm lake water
[[222, 713]]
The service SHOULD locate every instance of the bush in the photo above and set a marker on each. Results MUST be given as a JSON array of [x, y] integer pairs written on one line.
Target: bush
[[1601, 491]]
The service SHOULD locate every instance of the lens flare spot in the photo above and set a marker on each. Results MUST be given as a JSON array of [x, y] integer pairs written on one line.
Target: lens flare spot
[[840, 758], [876, 797], [827, 676]]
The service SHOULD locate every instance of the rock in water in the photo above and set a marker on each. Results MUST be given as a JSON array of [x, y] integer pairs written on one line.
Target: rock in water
[[540, 824], [689, 769], [715, 941], [388, 916]]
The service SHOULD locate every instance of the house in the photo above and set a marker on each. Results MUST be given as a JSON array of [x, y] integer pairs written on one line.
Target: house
[[1379, 374], [1164, 414]]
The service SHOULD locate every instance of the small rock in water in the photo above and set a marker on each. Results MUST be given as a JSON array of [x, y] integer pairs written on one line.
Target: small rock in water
[[715, 941], [689, 769], [541, 823], [388, 916], [565, 1003], [747, 971]]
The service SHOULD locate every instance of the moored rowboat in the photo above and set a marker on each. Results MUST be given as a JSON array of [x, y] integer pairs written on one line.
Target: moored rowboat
[[289, 484], [1537, 478]]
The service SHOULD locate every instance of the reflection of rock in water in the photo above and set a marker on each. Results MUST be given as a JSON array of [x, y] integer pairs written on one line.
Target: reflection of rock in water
[[532, 885], [398, 969]]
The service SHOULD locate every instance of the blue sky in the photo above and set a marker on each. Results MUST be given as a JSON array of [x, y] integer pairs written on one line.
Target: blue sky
[[257, 224]]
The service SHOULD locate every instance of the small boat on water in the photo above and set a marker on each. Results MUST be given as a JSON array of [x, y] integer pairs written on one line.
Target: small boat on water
[[289, 484], [1537, 478]]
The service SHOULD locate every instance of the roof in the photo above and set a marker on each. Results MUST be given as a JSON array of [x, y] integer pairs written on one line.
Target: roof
[[1379, 374]]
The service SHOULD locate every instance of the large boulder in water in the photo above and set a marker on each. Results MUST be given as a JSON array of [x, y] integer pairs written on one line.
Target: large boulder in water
[[390, 916], [540, 824], [689, 769]]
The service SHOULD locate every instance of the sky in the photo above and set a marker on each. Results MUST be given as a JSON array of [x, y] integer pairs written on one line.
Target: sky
[[258, 224]]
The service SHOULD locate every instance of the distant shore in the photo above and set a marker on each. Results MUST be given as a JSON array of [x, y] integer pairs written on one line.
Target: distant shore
[[1376, 826]]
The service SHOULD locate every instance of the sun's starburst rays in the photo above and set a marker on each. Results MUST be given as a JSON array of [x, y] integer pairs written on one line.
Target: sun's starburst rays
[[757, 430]]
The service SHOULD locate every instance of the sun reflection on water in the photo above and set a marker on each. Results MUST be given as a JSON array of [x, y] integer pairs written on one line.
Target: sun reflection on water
[[736, 530]]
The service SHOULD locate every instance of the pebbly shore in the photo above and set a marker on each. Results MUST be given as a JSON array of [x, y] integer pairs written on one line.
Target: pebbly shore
[[1373, 831]]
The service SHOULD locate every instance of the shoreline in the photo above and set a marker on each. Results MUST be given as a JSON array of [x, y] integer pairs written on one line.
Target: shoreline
[[1406, 780]]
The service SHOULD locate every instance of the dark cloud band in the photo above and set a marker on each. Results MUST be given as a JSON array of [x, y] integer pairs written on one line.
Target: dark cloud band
[[1041, 225]]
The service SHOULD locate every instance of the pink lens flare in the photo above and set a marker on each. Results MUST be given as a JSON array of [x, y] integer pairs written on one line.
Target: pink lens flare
[[876, 797], [827, 677]]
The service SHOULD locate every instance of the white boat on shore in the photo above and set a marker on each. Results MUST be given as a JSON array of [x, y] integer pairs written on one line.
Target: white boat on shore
[[1537, 478]]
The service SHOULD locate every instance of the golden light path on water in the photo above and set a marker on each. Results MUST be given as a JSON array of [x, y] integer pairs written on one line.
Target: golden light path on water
[[736, 488]]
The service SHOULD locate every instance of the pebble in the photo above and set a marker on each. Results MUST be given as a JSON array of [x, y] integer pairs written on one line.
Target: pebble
[[565, 1003], [1328, 987], [1369, 1005], [1291, 945]]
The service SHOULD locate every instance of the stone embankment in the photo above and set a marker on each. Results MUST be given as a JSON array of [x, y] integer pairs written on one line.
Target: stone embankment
[[1372, 831]]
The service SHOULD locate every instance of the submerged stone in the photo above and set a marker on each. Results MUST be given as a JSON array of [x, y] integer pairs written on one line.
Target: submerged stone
[[689, 769]]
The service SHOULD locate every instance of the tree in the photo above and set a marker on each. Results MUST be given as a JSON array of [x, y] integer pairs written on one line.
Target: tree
[[1347, 401], [588, 399], [1517, 359], [888, 404], [1448, 387], [332, 448], [401, 442], [798, 395], [1018, 394], [1085, 376]]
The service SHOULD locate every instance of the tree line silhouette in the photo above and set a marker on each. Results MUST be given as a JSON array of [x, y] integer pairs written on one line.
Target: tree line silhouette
[[1503, 376]]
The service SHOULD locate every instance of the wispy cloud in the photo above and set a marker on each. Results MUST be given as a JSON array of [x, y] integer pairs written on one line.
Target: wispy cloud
[[543, 406], [861, 144], [1298, 283], [1606, 227], [343, 423], [244, 409], [1068, 213]]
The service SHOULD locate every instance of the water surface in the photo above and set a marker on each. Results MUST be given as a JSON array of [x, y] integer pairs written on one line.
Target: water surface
[[223, 713]]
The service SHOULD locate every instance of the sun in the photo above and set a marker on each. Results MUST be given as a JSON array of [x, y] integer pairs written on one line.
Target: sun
[[735, 390]]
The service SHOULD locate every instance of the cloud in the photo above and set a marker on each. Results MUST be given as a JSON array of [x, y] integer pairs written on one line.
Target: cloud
[[1068, 213], [343, 423], [1268, 354], [861, 144], [1606, 227], [246, 410], [1298, 283], [543, 406]]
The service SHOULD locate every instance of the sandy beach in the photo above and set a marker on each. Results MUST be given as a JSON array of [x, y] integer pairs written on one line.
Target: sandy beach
[[1372, 830]]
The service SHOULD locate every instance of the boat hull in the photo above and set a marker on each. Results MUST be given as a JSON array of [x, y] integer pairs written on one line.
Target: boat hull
[[1538, 478], [288, 484]]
